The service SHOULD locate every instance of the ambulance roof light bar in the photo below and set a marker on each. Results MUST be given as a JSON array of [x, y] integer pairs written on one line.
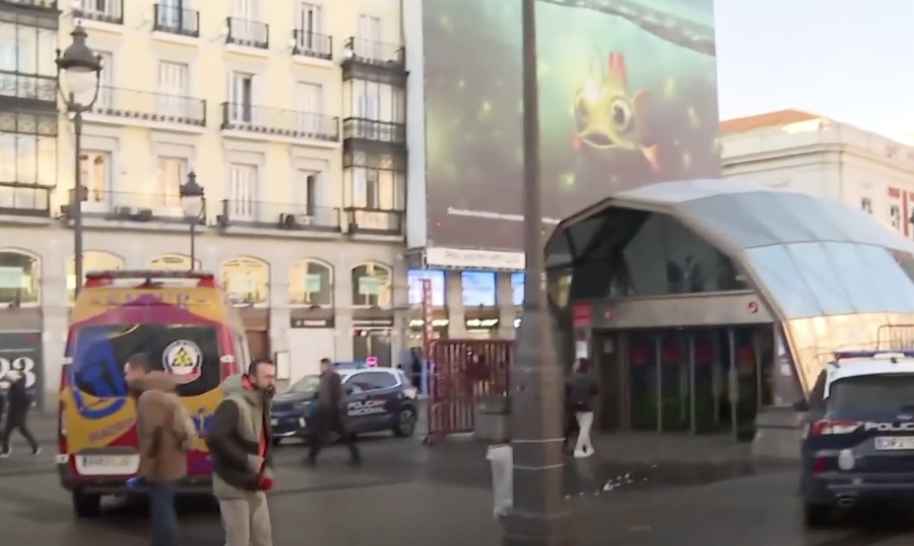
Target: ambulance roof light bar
[[865, 353], [148, 276]]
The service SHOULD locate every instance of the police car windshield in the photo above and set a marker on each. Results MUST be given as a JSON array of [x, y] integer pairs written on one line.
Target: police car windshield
[[306, 385], [189, 352], [864, 395]]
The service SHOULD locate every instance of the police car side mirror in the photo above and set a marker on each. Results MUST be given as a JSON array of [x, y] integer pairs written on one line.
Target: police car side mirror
[[801, 406]]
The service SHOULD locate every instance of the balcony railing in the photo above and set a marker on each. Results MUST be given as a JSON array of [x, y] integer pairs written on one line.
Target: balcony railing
[[24, 200], [379, 54], [153, 107], [375, 131], [247, 33], [284, 216], [105, 11], [312, 44], [41, 4], [26, 86], [177, 20], [374, 221], [273, 121], [134, 206]]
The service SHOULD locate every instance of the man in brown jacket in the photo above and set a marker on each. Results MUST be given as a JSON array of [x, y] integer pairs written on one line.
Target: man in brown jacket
[[165, 433]]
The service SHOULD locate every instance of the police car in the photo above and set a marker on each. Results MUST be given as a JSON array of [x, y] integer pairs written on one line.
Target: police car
[[377, 400], [858, 435]]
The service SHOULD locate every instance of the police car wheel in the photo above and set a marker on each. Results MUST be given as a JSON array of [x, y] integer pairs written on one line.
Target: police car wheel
[[86, 505], [406, 423], [816, 516]]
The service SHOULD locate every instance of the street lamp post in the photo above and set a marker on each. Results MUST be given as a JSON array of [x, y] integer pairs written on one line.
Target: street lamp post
[[78, 77], [540, 514], [193, 201]]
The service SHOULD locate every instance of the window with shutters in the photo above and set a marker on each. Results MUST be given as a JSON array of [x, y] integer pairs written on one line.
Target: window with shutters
[[242, 192], [307, 192], [309, 98], [172, 173], [173, 89], [106, 80], [241, 97], [895, 216], [96, 169], [866, 205], [368, 42], [309, 25]]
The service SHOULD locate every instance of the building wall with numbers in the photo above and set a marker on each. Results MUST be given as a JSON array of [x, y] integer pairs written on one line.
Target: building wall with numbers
[[801, 151]]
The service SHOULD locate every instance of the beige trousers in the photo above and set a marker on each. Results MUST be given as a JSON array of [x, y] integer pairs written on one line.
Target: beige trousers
[[246, 520]]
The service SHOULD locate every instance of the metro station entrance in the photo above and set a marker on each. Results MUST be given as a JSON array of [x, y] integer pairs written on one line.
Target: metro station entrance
[[700, 380]]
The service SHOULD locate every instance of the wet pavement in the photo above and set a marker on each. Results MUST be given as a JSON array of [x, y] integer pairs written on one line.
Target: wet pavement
[[409, 494]]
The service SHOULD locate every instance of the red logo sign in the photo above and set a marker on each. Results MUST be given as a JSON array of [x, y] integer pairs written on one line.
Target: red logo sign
[[580, 315], [753, 307]]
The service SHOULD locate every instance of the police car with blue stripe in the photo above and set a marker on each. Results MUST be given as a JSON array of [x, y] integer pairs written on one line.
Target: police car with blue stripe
[[378, 399], [858, 435]]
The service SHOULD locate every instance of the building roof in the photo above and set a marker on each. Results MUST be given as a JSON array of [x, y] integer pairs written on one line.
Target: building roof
[[767, 120]]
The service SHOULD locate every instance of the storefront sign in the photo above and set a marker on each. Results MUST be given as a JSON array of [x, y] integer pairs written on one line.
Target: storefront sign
[[481, 323], [311, 323], [373, 323], [21, 351]]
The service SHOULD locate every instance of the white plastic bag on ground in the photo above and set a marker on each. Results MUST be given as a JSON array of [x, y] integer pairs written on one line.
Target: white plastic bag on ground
[[501, 458]]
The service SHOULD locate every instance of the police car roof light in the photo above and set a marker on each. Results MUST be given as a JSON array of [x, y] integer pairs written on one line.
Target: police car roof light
[[873, 354], [106, 278]]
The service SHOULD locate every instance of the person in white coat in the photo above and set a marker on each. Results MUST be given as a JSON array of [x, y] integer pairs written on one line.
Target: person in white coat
[[581, 389]]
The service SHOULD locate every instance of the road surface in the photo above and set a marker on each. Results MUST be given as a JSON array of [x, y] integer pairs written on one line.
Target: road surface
[[409, 494]]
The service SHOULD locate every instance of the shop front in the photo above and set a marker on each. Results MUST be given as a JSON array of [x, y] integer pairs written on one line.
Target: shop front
[[311, 338], [372, 330], [440, 325], [482, 323]]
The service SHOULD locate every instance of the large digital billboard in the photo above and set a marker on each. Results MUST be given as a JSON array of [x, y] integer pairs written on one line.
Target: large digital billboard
[[627, 93]]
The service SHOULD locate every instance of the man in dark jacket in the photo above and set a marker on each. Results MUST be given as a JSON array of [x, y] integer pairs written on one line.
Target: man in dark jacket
[[330, 416], [581, 389], [239, 438], [19, 402]]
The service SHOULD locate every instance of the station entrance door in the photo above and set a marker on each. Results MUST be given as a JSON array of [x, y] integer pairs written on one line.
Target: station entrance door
[[700, 380]]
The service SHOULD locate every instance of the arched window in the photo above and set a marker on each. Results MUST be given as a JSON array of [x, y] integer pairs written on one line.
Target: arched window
[[311, 283], [20, 274], [246, 280], [93, 260], [371, 285], [172, 262]]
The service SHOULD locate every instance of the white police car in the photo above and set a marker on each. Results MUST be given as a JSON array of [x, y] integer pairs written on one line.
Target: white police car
[[378, 399], [858, 435]]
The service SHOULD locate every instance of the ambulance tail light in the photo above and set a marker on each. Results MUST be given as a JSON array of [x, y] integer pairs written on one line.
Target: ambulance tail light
[[830, 427], [148, 278]]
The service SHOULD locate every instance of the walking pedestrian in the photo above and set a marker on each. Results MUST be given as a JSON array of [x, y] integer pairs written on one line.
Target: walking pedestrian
[[330, 416], [240, 438], [165, 434], [582, 388], [18, 405]]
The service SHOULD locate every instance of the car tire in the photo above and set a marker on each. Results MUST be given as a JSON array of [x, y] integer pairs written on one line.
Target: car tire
[[816, 515], [405, 425], [86, 505]]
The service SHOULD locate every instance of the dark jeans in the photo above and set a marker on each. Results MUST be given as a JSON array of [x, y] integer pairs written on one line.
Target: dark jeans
[[331, 422], [164, 518], [16, 423], [571, 428]]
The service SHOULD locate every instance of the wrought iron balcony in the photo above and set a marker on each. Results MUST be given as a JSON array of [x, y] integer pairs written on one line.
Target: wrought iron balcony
[[50, 5], [374, 53], [25, 200], [311, 44], [152, 107], [177, 20], [105, 11], [284, 216], [369, 130], [29, 89], [132, 206], [374, 221], [247, 33], [284, 123]]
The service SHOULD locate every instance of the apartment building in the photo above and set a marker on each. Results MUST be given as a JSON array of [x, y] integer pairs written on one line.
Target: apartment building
[[806, 152], [289, 113]]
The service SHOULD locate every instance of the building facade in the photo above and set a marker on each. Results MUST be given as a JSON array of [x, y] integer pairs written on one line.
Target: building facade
[[304, 191], [805, 152]]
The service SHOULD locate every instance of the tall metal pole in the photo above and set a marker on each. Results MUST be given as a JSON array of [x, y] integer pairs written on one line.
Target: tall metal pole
[[76, 207], [540, 515]]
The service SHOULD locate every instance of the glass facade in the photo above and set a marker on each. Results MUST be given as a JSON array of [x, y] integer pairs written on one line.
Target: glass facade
[[832, 274]]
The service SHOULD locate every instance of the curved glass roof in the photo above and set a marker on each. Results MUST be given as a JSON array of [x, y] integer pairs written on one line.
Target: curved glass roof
[[814, 256]]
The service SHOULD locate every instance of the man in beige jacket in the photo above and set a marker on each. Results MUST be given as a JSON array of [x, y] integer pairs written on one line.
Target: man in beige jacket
[[165, 433]]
